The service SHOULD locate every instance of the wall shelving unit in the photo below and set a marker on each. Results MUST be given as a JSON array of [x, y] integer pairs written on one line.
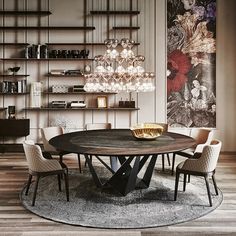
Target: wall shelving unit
[[47, 29]]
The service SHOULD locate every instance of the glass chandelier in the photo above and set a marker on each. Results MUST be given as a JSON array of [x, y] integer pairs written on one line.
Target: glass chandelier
[[119, 71]]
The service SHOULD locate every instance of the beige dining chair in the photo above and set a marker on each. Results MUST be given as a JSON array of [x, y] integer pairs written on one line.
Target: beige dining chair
[[165, 129], [97, 126], [41, 167], [50, 132], [204, 166], [202, 138]]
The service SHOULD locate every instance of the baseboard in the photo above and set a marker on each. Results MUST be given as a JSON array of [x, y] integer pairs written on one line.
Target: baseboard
[[228, 153]]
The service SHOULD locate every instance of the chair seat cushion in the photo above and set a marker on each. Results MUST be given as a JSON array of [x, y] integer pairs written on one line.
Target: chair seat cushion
[[180, 165], [186, 153]]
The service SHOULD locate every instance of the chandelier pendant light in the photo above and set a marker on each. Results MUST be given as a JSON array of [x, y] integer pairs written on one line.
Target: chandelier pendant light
[[119, 71]]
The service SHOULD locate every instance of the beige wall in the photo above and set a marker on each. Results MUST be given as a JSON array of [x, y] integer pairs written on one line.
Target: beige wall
[[226, 73], [152, 39]]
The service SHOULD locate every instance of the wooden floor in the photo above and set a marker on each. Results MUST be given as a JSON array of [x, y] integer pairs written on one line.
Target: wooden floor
[[15, 220]]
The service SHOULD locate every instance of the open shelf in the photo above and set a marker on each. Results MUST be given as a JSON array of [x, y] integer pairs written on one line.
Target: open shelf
[[14, 93], [81, 109], [125, 27], [50, 75], [14, 44], [114, 12], [14, 76], [75, 93], [47, 59], [27, 13], [79, 44], [47, 28]]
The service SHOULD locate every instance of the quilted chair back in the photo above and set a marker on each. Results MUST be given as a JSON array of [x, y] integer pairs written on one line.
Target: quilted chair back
[[48, 133], [208, 160], [36, 161]]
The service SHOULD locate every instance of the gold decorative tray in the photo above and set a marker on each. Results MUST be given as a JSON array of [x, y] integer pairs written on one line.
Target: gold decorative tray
[[146, 131]]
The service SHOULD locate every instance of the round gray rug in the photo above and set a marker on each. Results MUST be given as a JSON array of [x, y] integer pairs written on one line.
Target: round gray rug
[[93, 207]]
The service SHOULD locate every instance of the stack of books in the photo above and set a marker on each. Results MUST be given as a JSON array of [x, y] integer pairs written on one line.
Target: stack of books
[[13, 86]]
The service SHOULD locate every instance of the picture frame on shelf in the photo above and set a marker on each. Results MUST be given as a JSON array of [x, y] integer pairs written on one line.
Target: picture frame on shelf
[[102, 102]]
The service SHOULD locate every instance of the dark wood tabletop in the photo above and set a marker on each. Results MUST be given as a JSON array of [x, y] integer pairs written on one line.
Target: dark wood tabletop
[[115, 142]]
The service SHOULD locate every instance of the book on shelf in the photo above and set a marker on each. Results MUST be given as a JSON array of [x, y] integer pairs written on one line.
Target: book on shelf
[[13, 87]]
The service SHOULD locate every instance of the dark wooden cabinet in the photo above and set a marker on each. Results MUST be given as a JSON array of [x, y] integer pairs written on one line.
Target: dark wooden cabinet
[[14, 127]]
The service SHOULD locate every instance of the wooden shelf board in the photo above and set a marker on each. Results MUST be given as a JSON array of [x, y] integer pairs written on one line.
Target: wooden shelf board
[[14, 93], [47, 28], [13, 76], [125, 27], [14, 44], [75, 93], [79, 44], [114, 12], [47, 59], [50, 75], [82, 109], [40, 13]]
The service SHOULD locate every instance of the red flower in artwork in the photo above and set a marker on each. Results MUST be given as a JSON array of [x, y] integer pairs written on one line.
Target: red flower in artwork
[[178, 66]]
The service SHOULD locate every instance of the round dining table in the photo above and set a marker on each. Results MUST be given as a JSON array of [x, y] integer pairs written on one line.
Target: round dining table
[[133, 155]]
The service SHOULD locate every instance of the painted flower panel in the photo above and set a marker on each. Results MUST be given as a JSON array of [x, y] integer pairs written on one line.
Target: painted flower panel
[[191, 63]]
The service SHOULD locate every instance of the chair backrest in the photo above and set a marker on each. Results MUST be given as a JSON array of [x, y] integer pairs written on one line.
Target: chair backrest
[[210, 155], [94, 126], [36, 161], [202, 136], [164, 125], [208, 160], [48, 133]]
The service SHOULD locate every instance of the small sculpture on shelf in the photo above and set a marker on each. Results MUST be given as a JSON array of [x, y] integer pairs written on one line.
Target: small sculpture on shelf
[[14, 70], [11, 112]]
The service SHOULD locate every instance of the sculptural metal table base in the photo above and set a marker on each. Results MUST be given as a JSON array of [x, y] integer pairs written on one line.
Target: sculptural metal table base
[[125, 179]]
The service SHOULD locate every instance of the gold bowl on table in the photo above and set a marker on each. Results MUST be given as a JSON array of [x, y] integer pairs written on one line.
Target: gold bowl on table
[[146, 131]]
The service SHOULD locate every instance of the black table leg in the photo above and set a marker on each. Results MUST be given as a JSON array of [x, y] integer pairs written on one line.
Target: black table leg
[[145, 181]]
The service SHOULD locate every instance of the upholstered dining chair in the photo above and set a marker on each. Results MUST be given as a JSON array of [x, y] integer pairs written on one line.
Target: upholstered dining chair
[[202, 138], [96, 126], [165, 129], [48, 133], [204, 166], [41, 167]]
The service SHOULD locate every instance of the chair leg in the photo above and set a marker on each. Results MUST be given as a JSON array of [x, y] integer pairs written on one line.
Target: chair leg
[[168, 158], [66, 186], [79, 163], [173, 164], [59, 182], [215, 185], [61, 158], [35, 189], [188, 178], [28, 184], [176, 185], [184, 185], [208, 189], [163, 162]]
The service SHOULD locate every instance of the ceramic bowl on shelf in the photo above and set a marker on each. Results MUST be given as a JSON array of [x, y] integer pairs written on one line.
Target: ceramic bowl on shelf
[[146, 131]]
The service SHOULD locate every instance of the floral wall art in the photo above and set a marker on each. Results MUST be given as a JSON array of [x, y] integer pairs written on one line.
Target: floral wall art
[[191, 63]]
